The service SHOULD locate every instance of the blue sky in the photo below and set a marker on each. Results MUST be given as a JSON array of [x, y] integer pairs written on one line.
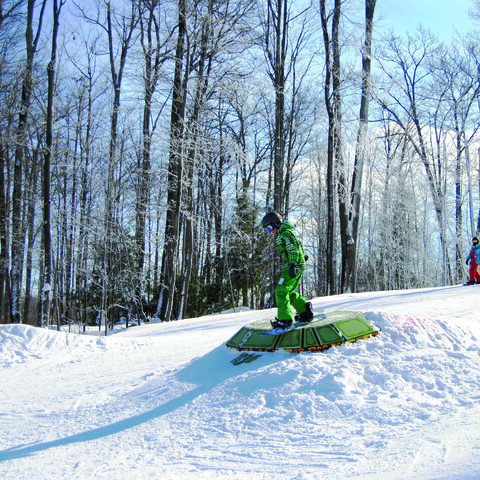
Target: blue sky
[[442, 17]]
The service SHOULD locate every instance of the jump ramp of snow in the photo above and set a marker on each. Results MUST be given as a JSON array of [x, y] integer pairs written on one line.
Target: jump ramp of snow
[[324, 331]]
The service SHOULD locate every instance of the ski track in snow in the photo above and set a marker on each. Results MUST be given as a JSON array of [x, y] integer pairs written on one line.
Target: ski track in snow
[[164, 401]]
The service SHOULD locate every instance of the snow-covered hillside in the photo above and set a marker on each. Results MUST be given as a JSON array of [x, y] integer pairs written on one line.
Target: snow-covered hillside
[[164, 401]]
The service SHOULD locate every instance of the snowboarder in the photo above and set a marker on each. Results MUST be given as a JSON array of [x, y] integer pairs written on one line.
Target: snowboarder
[[474, 259], [292, 265]]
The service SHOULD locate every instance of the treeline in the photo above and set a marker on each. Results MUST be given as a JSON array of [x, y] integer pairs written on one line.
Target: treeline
[[142, 142]]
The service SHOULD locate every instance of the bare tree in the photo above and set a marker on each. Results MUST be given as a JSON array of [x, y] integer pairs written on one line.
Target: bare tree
[[175, 172], [333, 106], [3, 233], [84, 108], [285, 36], [276, 37], [10, 20], [47, 234], [409, 101], [155, 52], [120, 27], [213, 30], [350, 207], [456, 76], [18, 233]]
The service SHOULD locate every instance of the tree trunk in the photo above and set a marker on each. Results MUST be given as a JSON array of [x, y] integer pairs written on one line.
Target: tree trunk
[[332, 85], [31, 193], [4, 274], [47, 234], [203, 70], [458, 211], [175, 169], [153, 58], [478, 172], [352, 214], [110, 197], [18, 234], [277, 20], [81, 268]]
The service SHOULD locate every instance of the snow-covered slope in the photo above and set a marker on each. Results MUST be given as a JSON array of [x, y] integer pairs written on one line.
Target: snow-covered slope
[[164, 401]]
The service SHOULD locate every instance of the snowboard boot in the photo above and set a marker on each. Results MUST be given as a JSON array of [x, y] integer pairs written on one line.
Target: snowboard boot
[[307, 315], [281, 323]]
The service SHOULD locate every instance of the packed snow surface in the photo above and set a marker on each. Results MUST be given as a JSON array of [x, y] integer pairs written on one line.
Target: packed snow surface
[[164, 401]]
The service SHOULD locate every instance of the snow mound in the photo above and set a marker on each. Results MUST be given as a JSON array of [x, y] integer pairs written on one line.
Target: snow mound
[[362, 394], [23, 344], [412, 369]]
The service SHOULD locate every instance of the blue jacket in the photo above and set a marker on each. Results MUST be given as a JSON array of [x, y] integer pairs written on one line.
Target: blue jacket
[[476, 249]]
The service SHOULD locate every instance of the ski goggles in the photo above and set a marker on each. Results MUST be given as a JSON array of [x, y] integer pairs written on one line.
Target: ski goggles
[[269, 228]]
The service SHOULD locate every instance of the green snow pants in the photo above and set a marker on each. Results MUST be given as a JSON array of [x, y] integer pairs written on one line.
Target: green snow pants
[[286, 295]]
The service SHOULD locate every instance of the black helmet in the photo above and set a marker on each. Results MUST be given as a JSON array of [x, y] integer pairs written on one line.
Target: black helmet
[[271, 218], [475, 240]]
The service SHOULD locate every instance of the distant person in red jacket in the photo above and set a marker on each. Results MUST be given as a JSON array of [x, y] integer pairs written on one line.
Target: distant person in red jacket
[[474, 259]]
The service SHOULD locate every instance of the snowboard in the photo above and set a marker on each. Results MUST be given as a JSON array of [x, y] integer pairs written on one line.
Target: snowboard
[[280, 331]]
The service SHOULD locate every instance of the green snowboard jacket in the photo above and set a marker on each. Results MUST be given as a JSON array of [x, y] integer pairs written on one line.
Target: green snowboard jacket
[[289, 248]]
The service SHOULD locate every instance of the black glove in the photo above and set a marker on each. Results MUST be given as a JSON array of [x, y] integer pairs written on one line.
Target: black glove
[[291, 270]]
